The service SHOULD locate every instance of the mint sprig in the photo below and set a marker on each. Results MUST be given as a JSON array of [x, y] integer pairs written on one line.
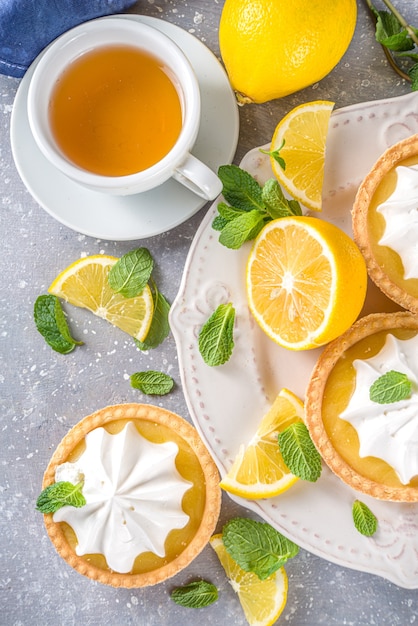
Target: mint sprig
[[391, 387], [195, 595], [299, 452], [364, 520], [216, 340], [51, 323], [399, 41], [60, 494], [256, 546], [248, 207], [130, 275], [275, 154], [151, 382]]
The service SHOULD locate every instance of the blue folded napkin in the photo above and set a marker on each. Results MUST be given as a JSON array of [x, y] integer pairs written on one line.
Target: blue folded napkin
[[27, 26]]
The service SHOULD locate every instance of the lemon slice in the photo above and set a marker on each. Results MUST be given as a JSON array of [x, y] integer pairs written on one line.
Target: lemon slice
[[300, 138], [306, 281], [259, 470], [84, 284], [262, 600]]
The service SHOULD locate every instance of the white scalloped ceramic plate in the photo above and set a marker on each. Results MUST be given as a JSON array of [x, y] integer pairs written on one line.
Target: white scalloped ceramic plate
[[146, 214], [227, 402]]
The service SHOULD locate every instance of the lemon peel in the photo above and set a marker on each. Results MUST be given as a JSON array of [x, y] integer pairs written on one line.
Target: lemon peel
[[272, 49]]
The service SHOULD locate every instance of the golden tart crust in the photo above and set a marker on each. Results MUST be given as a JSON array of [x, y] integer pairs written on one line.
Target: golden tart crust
[[363, 328], [186, 432], [392, 157]]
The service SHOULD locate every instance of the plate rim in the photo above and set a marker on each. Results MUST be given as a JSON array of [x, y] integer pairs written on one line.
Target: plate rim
[[180, 305]]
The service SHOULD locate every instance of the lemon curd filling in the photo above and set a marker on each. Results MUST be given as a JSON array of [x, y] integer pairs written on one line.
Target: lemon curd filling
[[166, 516], [338, 393], [392, 224]]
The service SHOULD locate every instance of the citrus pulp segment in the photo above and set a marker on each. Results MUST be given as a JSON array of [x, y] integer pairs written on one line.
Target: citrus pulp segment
[[306, 281], [262, 600], [84, 284], [259, 470], [300, 138]]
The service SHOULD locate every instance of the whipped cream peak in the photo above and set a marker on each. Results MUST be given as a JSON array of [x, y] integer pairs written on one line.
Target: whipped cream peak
[[400, 212], [387, 431], [133, 494]]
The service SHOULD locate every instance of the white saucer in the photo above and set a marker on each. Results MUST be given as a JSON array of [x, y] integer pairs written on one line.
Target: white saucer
[[132, 217]]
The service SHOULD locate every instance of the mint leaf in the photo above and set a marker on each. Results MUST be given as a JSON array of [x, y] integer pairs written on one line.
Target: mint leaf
[[299, 453], [51, 323], [58, 495], [152, 383], [364, 520], [216, 336], [160, 326], [131, 273], [390, 387], [294, 206], [239, 188], [229, 213], [235, 233], [277, 205], [276, 155], [219, 223], [243, 228], [256, 546], [195, 595], [398, 39], [408, 55], [391, 34]]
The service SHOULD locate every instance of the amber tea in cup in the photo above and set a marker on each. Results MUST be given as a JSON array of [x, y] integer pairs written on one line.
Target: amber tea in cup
[[115, 111], [114, 104]]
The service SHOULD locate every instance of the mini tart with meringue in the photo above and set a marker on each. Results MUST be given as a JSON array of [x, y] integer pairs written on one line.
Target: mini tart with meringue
[[152, 495], [385, 222], [372, 447]]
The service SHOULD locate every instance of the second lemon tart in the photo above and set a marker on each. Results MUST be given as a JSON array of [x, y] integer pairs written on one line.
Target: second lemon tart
[[385, 222], [369, 439]]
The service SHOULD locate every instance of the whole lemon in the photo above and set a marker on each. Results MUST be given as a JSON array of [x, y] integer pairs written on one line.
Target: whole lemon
[[272, 48]]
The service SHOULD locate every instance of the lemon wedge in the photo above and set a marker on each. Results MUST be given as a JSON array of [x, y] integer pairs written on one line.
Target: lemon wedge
[[262, 600], [84, 284], [300, 139], [259, 470]]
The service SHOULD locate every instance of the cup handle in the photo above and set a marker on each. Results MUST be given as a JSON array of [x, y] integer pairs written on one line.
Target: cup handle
[[198, 177]]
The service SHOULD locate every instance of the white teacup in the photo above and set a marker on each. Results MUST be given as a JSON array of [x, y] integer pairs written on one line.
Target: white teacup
[[178, 163]]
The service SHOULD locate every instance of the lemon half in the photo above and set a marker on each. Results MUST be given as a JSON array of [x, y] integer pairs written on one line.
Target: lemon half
[[306, 281]]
